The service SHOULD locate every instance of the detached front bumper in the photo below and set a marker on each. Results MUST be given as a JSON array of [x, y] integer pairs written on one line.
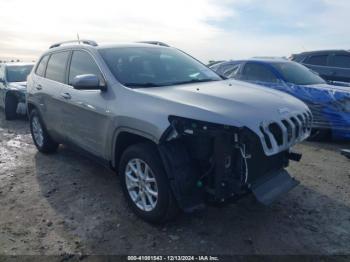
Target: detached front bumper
[[273, 186]]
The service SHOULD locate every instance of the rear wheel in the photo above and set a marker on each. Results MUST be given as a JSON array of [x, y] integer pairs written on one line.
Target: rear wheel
[[43, 142], [11, 107], [145, 184]]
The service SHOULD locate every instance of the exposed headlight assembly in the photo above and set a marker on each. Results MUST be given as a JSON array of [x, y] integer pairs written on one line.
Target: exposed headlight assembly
[[186, 126]]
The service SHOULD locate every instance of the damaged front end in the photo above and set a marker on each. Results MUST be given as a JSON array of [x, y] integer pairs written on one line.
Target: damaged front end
[[219, 163], [19, 92]]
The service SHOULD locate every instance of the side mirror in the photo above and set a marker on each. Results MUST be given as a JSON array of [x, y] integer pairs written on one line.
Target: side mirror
[[87, 82], [222, 76]]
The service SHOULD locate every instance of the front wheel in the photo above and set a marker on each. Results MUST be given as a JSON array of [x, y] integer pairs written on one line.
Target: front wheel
[[318, 135], [145, 184], [11, 107], [42, 140]]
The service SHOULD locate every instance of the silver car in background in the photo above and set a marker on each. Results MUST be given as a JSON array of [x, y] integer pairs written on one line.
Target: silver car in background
[[13, 86], [178, 135]]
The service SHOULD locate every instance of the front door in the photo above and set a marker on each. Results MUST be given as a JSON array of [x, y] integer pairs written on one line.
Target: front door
[[85, 116]]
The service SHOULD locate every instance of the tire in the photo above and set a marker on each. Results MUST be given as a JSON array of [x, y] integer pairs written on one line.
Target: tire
[[318, 135], [10, 107], [43, 142], [165, 207]]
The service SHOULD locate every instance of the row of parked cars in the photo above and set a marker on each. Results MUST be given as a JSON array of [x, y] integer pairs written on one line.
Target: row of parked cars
[[178, 133], [328, 100]]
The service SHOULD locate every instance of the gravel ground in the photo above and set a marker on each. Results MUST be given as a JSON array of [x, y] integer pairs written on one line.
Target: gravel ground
[[65, 203]]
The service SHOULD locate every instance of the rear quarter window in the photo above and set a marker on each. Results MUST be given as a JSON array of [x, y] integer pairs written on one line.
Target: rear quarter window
[[40, 70]]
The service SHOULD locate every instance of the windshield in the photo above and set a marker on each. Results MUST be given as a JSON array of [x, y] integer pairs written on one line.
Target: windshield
[[18, 73], [298, 74], [151, 67]]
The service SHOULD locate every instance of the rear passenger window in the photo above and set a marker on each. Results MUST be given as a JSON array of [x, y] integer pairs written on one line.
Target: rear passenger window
[[40, 70], [317, 60], [342, 61], [56, 67], [82, 63]]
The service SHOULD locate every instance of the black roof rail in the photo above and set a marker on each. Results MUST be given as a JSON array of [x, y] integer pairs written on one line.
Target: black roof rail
[[270, 57], [154, 43], [86, 42]]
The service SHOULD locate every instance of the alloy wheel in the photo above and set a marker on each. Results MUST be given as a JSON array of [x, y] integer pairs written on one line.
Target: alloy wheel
[[141, 184]]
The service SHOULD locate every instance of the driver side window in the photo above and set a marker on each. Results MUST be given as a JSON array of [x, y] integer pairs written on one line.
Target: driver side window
[[258, 72], [82, 63]]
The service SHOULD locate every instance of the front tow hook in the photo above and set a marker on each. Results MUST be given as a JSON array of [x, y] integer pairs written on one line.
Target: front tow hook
[[294, 156]]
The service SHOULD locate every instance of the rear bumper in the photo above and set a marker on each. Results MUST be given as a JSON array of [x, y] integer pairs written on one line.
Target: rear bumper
[[273, 186]]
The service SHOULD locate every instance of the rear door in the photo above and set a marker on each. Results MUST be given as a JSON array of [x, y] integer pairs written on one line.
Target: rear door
[[50, 78], [340, 64], [84, 114]]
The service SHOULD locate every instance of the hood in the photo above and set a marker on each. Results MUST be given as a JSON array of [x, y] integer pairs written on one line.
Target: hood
[[20, 86], [329, 87], [228, 102]]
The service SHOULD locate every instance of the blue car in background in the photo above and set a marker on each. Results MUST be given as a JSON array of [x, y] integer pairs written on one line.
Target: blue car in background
[[329, 104]]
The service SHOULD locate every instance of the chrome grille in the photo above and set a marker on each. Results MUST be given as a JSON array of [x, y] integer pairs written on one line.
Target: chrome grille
[[280, 135]]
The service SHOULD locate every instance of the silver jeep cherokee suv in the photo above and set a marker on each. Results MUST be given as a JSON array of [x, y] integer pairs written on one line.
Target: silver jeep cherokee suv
[[178, 134]]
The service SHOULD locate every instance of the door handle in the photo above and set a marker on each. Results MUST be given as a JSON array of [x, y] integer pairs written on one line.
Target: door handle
[[38, 87], [66, 95]]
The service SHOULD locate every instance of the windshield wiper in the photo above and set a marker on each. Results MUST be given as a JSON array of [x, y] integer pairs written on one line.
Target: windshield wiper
[[141, 85], [193, 81]]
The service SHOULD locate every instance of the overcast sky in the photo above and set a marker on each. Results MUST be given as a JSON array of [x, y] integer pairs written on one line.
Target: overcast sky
[[207, 29]]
